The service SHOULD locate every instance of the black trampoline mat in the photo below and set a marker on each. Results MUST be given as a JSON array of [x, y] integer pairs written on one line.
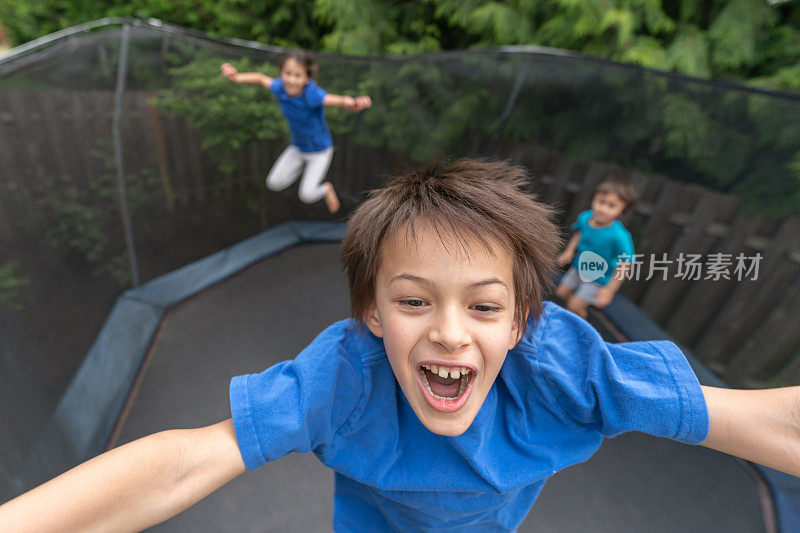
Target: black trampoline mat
[[272, 310]]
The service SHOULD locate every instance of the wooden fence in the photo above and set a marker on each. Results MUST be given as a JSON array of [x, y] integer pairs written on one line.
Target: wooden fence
[[748, 331]]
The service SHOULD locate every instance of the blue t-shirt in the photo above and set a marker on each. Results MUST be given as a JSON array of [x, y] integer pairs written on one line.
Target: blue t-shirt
[[561, 390], [305, 115], [609, 242]]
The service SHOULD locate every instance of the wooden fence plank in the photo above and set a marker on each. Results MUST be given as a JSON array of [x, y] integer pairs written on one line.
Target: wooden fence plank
[[160, 146], [55, 134], [768, 348], [76, 117], [658, 231], [26, 132], [663, 295], [750, 302]]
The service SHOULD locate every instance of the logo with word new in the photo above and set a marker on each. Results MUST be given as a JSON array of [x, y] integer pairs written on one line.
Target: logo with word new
[[591, 266]]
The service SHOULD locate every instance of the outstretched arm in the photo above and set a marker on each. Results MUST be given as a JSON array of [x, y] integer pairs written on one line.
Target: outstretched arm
[[762, 426], [131, 487], [254, 78], [359, 103], [569, 252]]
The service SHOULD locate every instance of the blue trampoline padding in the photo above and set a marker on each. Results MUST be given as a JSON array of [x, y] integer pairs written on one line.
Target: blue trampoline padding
[[89, 408], [637, 326], [180, 284], [319, 231]]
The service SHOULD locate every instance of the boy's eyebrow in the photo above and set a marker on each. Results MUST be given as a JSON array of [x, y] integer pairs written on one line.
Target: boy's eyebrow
[[429, 283]]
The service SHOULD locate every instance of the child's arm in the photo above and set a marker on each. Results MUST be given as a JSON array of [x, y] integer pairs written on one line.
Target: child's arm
[[569, 252], [762, 426], [131, 487], [606, 293], [255, 78], [359, 103]]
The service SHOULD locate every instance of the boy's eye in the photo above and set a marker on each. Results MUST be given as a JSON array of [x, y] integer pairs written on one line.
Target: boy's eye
[[412, 302], [486, 309]]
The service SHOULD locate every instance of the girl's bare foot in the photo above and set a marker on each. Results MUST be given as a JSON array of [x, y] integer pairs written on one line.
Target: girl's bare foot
[[331, 200]]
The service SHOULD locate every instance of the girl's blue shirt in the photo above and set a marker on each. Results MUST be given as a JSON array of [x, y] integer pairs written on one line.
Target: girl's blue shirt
[[561, 390], [305, 115]]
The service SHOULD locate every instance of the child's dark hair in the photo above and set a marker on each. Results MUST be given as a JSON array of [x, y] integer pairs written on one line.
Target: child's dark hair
[[468, 198], [619, 185], [305, 60]]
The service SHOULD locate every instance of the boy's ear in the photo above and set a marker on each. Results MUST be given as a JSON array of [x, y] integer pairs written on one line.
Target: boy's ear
[[373, 321], [516, 331]]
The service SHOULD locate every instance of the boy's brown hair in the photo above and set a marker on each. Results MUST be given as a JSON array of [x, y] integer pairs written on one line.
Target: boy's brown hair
[[619, 185], [468, 198]]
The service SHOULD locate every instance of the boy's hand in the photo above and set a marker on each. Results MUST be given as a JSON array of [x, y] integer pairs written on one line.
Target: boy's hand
[[228, 71], [604, 296], [564, 259]]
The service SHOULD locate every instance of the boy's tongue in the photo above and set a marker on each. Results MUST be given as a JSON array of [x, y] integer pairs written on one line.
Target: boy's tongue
[[445, 387]]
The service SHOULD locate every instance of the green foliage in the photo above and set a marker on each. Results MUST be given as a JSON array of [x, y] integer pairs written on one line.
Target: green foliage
[[83, 222], [730, 140], [11, 285], [228, 115], [745, 40]]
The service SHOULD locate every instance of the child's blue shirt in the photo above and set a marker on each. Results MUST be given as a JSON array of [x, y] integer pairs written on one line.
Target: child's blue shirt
[[561, 390], [305, 115], [609, 242]]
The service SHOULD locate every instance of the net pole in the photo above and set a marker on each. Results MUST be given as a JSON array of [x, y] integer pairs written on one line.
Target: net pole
[[512, 99], [122, 72]]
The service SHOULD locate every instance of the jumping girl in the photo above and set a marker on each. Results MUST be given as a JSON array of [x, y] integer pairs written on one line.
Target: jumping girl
[[311, 147]]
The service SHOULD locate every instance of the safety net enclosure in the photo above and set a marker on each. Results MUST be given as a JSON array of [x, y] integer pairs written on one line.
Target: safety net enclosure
[[124, 156]]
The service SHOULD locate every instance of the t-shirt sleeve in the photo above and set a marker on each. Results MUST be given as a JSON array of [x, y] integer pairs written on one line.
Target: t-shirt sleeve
[[315, 94], [581, 221], [625, 246], [638, 386], [276, 87], [297, 405]]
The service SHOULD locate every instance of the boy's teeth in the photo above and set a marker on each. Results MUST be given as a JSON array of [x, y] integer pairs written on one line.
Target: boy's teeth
[[462, 388], [444, 372]]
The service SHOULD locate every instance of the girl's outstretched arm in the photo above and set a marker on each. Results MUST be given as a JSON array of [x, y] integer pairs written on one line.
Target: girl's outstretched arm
[[132, 487], [762, 426], [359, 103], [255, 78]]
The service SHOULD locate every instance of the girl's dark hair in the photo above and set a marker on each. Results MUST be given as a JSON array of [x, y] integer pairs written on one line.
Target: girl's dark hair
[[485, 200], [304, 59]]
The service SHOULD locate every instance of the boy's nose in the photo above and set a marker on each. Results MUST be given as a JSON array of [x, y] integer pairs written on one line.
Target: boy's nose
[[449, 330]]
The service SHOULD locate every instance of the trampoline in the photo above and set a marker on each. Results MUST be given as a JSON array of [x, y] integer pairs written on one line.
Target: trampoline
[[164, 354], [268, 311]]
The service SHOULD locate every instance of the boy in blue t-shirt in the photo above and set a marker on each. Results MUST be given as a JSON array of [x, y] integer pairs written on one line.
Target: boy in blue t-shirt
[[600, 250], [448, 400]]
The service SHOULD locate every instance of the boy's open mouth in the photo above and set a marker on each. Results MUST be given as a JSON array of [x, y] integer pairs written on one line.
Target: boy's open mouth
[[445, 386]]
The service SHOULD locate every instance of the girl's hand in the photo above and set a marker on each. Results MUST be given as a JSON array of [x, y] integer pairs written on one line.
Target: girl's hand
[[228, 71], [363, 102], [359, 103]]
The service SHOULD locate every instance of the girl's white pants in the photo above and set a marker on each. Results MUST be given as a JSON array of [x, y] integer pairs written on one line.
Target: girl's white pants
[[313, 166]]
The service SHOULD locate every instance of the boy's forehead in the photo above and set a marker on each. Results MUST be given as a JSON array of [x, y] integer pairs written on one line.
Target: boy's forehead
[[427, 241]]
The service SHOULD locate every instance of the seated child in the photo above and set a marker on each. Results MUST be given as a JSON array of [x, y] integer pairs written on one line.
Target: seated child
[[599, 251], [448, 400]]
